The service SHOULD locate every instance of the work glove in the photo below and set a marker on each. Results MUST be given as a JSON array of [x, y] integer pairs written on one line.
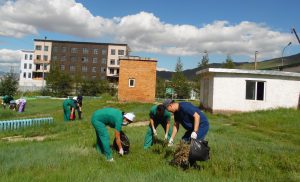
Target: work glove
[[121, 151], [166, 136], [171, 142], [194, 135], [154, 132]]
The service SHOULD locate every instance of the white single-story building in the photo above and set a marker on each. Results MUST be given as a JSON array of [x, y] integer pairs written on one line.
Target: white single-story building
[[236, 90]]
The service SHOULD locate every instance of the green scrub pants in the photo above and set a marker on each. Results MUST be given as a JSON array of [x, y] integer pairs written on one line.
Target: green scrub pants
[[102, 138], [148, 142], [67, 112]]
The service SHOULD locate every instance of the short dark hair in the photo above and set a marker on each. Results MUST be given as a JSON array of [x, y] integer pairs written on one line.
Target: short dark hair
[[160, 108]]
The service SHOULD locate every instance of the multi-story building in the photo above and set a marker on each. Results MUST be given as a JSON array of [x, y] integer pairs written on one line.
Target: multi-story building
[[26, 81], [89, 59]]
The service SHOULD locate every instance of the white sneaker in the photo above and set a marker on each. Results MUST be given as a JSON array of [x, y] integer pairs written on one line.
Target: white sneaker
[[110, 160]]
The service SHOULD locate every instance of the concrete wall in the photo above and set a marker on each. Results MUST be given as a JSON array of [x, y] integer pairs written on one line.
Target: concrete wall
[[144, 73], [229, 92], [114, 67]]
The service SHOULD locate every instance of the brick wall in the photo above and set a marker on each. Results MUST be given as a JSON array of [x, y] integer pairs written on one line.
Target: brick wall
[[144, 73]]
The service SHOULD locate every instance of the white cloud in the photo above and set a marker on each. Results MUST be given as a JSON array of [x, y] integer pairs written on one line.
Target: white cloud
[[142, 32], [161, 69], [10, 59]]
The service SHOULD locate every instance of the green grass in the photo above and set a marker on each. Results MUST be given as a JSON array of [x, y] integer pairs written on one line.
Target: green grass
[[258, 146]]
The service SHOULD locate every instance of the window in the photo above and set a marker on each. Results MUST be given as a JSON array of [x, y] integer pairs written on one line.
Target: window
[[30, 57], [63, 58], [72, 68], [64, 49], [45, 67], [30, 66], [113, 52], [84, 69], [46, 48], [121, 52], [104, 51], [118, 62], [95, 60], [38, 57], [25, 66], [29, 75], [112, 62], [118, 71], [131, 82], [255, 90], [94, 69], [95, 51], [26, 56], [73, 58], [24, 75], [45, 57], [102, 77], [85, 59], [62, 67], [85, 50], [38, 47], [103, 61], [54, 58], [73, 50], [111, 71], [55, 49], [102, 70], [94, 77]]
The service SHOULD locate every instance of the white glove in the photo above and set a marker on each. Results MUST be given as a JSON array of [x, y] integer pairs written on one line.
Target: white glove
[[154, 132], [166, 136], [194, 135], [121, 151], [171, 142]]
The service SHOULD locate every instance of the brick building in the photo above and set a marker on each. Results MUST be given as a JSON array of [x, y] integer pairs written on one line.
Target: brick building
[[89, 59], [137, 79]]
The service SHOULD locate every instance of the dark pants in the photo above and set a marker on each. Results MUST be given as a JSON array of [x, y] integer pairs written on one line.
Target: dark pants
[[200, 135]]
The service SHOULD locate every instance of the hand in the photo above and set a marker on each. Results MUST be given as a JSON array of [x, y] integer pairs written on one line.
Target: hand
[[121, 151], [166, 136], [194, 135], [154, 132], [171, 142]]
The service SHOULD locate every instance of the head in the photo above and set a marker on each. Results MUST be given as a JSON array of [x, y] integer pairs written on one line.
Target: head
[[169, 104], [160, 110], [128, 118]]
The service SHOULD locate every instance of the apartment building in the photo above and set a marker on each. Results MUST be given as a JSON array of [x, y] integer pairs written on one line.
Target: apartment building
[[27, 67], [89, 59]]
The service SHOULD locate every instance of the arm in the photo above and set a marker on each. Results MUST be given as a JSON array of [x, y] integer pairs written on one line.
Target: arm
[[196, 121], [152, 125], [175, 129], [167, 129], [118, 139]]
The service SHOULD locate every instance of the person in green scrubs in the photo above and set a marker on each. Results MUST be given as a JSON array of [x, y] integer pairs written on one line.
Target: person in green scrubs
[[158, 115], [6, 100], [113, 118], [69, 108]]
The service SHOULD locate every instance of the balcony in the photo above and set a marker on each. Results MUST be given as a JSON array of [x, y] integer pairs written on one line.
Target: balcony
[[39, 61]]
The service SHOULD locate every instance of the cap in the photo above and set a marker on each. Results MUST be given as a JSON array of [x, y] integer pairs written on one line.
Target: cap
[[74, 98], [167, 102], [130, 116]]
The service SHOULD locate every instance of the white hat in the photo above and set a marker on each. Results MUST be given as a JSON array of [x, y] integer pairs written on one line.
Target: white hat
[[130, 116], [74, 98]]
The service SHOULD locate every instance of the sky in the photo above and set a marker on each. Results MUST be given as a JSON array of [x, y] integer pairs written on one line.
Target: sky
[[161, 29]]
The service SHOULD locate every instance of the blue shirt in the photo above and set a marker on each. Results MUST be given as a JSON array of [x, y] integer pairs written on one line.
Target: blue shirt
[[185, 116]]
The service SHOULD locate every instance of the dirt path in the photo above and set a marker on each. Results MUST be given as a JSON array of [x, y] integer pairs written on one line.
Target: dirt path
[[140, 123]]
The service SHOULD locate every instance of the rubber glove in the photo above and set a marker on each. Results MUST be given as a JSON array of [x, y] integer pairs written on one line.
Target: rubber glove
[[154, 132], [194, 135], [171, 142], [166, 136], [121, 151]]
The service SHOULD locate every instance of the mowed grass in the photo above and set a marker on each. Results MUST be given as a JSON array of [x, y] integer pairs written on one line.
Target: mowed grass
[[258, 146]]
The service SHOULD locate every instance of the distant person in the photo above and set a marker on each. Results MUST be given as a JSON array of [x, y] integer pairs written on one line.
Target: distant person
[[69, 109], [114, 118], [190, 117], [79, 106], [158, 116], [6, 100], [21, 103]]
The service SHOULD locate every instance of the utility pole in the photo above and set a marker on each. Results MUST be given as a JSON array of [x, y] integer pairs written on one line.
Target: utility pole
[[255, 56]]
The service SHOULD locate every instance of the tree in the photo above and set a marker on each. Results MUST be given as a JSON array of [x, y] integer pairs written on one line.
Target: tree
[[179, 81], [204, 60], [160, 88], [9, 84], [228, 63], [195, 85], [58, 82]]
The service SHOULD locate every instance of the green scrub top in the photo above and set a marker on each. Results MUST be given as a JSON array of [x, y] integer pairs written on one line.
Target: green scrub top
[[110, 117], [153, 115], [69, 102]]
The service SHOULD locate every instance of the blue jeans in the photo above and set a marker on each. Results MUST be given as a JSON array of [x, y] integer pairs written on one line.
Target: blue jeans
[[200, 135]]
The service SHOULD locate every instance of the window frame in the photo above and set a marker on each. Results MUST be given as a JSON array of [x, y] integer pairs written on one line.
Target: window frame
[[129, 82], [258, 91]]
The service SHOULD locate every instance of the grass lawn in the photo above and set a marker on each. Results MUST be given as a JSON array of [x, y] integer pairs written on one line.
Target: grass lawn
[[259, 146]]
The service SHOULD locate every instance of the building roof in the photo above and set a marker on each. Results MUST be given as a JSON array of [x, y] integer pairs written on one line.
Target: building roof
[[254, 72], [137, 58], [30, 51], [75, 42]]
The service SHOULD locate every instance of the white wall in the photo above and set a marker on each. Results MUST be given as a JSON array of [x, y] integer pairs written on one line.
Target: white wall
[[116, 66], [230, 92]]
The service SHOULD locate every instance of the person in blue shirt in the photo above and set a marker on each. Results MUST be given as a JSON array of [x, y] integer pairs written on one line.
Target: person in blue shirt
[[190, 117]]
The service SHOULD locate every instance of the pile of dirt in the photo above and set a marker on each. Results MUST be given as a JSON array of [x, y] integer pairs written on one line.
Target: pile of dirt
[[181, 155]]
